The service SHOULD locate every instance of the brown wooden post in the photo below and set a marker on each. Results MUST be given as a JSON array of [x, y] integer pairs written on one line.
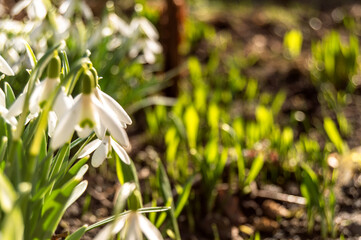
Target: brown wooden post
[[171, 34]]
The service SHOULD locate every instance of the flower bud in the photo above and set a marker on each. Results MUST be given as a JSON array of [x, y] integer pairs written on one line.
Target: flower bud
[[88, 82], [135, 200], [54, 67]]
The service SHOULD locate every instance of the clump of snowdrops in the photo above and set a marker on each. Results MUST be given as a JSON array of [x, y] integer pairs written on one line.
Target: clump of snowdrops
[[46, 137]]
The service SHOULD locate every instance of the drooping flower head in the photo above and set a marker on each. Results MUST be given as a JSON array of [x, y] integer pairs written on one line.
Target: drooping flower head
[[89, 114], [41, 94]]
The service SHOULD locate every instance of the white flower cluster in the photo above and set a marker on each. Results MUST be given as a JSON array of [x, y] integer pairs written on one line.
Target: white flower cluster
[[46, 23], [91, 110]]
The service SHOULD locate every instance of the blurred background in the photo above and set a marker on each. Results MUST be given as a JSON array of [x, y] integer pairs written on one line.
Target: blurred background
[[246, 114]]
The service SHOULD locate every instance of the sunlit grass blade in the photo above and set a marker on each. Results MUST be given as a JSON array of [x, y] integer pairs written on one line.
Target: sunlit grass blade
[[166, 191], [183, 198], [30, 53], [333, 134], [255, 169]]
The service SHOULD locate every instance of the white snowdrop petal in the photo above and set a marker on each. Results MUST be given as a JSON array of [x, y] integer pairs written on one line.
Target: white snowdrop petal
[[17, 107], [119, 224], [83, 132], [149, 230], [40, 9], [89, 148], [49, 85], [154, 46], [62, 104], [66, 126], [30, 117], [116, 107], [77, 192], [5, 68], [19, 6], [124, 192], [104, 233], [36, 96], [149, 56], [148, 28], [63, 8], [134, 50], [12, 121], [109, 121], [100, 130], [119, 24], [120, 151], [52, 120], [133, 232], [88, 14], [100, 154]]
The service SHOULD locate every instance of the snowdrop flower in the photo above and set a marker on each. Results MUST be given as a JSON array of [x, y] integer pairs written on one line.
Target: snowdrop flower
[[4, 111], [41, 93], [111, 25], [102, 149], [146, 40], [131, 227], [5, 68], [58, 27], [110, 103], [87, 114], [68, 8], [143, 26], [34, 8], [113, 106]]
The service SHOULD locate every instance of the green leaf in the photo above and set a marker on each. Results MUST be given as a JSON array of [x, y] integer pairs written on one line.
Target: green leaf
[[221, 164], [31, 55], [183, 198], [252, 89], [213, 116], [240, 165], [60, 160], [238, 127], [64, 176], [166, 191], [178, 123], [311, 183], [125, 172], [172, 141], [3, 150], [78, 233], [65, 62], [55, 206], [9, 93], [255, 169], [195, 70], [163, 215], [278, 101], [333, 134], [264, 118], [292, 41], [191, 120]]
